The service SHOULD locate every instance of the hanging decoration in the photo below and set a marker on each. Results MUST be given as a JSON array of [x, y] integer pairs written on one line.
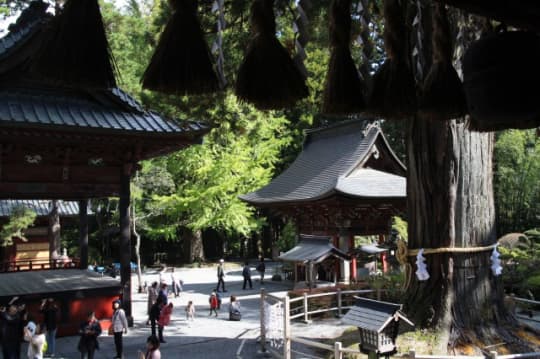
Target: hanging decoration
[[394, 92], [301, 35], [365, 42], [74, 50], [217, 47], [421, 271], [496, 267], [418, 57], [343, 92], [182, 62], [268, 77], [501, 77], [443, 96]]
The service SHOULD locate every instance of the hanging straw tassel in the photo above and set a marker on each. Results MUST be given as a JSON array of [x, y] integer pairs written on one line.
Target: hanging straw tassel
[[75, 50], [268, 77], [182, 62], [343, 92], [443, 96], [394, 93]]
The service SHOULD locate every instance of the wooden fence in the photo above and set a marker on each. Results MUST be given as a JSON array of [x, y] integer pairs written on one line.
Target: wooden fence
[[337, 349]]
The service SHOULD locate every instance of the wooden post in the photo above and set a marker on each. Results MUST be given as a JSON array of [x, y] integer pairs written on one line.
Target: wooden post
[[53, 232], [287, 328], [338, 293], [337, 351], [83, 234], [493, 354], [263, 315], [353, 259], [412, 354], [125, 244], [306, 309]]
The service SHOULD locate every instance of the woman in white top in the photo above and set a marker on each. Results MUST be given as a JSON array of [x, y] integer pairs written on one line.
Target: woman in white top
[[120, 325], [152, 349], [35, 339]]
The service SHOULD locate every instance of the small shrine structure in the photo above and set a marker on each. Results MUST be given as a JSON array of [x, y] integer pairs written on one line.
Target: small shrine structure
[[347, 181]]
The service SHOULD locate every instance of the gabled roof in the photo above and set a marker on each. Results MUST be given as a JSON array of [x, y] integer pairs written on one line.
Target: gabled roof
[[313, 249], [28, 100], [41, 207], [332, 162], [373, 315]]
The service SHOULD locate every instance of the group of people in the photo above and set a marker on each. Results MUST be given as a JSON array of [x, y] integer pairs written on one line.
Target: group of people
[[16, 325], [246, 274]]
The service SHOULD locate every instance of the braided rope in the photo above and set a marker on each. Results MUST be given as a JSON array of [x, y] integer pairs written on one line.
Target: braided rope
[[403, 254]]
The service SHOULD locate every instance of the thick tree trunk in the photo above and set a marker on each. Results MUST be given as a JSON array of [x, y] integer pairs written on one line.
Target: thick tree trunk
[[450, 204], [193, 246]]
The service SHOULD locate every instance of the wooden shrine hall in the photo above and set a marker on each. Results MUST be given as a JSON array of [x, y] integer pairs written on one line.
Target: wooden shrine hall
[[74, 141], [347, 181]]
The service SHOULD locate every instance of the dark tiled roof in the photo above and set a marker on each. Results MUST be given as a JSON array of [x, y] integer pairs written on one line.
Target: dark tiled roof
[[78, 109], [370, 314], [41, 207], [52, 281], [28, 100], [312, 248], [367, 182], [326, 164]]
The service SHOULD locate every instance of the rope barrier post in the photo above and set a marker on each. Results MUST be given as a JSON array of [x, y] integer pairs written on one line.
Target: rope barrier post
[[412, 354], [339, 299], [263, 328], [287, 328], [306, 309], [337, 351]]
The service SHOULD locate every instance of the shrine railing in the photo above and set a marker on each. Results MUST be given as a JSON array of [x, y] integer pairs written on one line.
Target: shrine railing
[[37, 264]]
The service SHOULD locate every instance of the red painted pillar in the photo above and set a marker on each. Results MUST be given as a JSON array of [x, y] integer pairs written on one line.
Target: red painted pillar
[[353, 259]]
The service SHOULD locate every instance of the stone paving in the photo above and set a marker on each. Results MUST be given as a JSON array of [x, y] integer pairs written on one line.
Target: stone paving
[[206, 337]]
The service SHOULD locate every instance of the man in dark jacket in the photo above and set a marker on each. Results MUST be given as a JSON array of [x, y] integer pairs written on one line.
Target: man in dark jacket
[[246, 273], [11, 332]]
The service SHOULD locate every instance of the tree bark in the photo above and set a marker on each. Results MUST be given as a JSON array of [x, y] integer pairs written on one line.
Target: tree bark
[[450, 204], [193, 246]]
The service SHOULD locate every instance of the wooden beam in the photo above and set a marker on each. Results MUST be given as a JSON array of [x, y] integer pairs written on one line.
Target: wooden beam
[[83, 233], [125, 245]]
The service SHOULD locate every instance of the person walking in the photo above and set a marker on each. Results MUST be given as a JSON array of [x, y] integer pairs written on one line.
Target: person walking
[[190, 311], [36, 340], [152, 296], [164, 293], [246, 273], [11, 331], [152, 349], [221, 276], [176, 284], [154, 318], [120, 325], [164, 320], [89, 331], [49, 310], [213, 303], [261, 268]]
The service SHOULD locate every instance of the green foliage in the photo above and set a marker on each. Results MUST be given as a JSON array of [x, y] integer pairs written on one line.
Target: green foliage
[[401, 227], [21, 218], [517, 194], [287, 240], [533, 284]]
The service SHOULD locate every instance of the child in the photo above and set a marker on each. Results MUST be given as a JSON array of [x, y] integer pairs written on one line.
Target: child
[[190, 311], [36, 340], [213, 303]]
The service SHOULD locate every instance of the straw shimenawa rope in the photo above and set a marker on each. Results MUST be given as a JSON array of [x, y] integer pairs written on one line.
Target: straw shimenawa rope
[[182, 62], [344, 90], [402, 254]]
